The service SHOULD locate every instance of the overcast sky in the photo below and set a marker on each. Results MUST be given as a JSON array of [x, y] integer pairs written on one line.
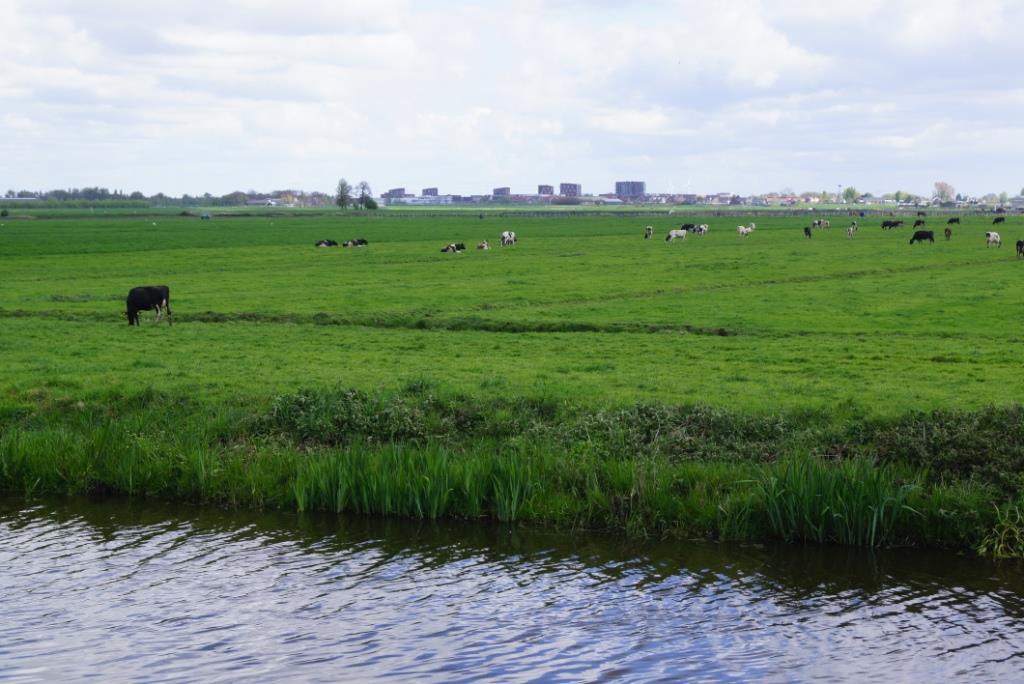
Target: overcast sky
[[190, 96]]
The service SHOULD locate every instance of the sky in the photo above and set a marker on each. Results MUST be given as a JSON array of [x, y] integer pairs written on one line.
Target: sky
[[745, 96]]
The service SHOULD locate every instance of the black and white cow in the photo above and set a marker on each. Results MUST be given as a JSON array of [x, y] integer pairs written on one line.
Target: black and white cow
[[325, 243], [454, 248], [648, 232], [918, 223], [807, 232], [1020, 248], [508, 238], [148, 298]]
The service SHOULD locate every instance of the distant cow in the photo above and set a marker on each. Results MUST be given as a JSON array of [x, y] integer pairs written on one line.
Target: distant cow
[[454, 247], [998, 219], [887, 224], [948, 232], [1020, 248], [744, 231], [358, 242], [701, 229], [483, 245], [918, 223], [508, 238], [205, 216], [648, 232], [147, 298], [922, 235], [688, 226], [851, 230], [325, 243], [993, 239], [807, 232], [676, 233], [955, 219]]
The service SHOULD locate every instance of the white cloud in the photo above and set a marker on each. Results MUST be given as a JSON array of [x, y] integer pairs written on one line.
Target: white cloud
[[746, 96]]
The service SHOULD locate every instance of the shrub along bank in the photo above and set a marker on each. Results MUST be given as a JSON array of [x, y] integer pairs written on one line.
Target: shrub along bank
[[941, 478]]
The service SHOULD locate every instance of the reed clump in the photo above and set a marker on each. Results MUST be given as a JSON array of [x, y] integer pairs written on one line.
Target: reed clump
[[644, 469]]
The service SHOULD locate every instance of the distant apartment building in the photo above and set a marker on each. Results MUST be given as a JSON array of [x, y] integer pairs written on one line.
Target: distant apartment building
[[545, 190], [630, 189], [570, 189], [394, 193], [430, 192], [502, 192]]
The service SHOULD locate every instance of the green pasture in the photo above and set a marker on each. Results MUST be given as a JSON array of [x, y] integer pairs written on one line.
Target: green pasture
[[862, 391], [582, 308]]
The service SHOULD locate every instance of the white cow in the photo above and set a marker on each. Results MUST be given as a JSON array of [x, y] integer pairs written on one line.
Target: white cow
[[993, 239], [508, 239], [484, 245], [744, 231], [675, 233]]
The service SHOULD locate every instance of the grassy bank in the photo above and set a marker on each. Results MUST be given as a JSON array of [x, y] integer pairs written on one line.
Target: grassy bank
[[767, 387], [949, 479]]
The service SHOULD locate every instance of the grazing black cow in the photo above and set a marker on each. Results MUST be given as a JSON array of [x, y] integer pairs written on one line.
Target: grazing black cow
[[955, 219], [948, 232], [1020, 248], [921, 213], [922, 235], [887, 224], [998, 219], [147, 298], [807, 232], [918, 223], [325, 243]]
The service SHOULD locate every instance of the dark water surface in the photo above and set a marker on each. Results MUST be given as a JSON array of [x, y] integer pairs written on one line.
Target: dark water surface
[[145, 592]]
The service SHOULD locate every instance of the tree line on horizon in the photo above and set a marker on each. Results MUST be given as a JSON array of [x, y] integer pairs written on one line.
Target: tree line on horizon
[[360, 196]]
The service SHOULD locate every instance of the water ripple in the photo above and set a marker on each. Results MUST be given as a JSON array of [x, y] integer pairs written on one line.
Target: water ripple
[[91, 590]]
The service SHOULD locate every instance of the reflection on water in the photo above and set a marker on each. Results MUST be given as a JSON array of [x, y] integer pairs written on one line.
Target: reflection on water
[[133, 591]]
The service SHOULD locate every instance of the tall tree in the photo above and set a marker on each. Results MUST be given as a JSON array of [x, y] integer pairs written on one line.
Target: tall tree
[[850, 194], [343, 195], [944, 191]]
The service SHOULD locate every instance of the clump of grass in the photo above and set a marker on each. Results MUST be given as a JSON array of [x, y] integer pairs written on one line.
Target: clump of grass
[[854, 503], [1006, 537]]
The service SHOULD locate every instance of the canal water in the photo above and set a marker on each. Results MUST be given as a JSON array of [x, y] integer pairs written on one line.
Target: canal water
[[119, 591]]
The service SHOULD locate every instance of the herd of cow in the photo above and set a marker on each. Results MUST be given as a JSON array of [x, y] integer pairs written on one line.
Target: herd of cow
[[992, 238], [508, 239], [157, 298], [358, 242]]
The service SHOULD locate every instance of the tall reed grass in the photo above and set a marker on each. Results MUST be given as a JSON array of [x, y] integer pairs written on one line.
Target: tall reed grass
[[645, 470]]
